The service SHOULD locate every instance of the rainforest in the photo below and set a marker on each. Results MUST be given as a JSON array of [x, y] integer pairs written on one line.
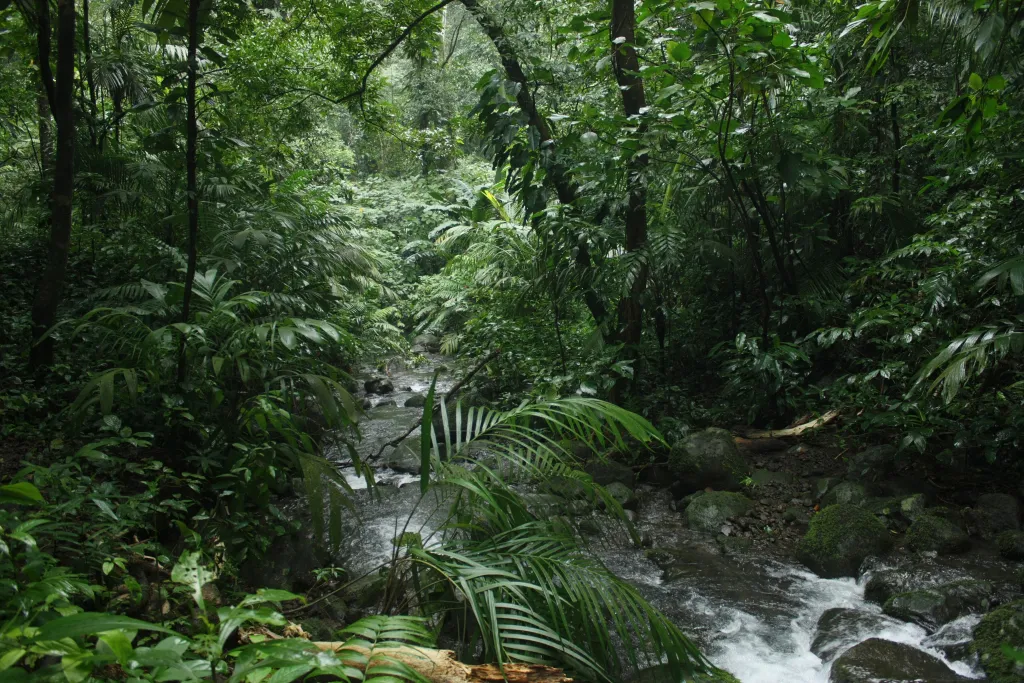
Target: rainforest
[[539, 341]]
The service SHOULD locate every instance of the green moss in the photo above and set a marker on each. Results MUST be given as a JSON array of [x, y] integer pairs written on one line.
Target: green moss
[[1011, 545], [930, 532], [1001, 626], [839, 538]]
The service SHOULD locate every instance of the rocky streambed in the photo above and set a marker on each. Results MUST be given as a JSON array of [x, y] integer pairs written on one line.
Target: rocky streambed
[[811, 572]]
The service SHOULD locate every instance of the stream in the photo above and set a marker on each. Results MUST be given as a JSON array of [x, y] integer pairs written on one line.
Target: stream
[[753, 614]]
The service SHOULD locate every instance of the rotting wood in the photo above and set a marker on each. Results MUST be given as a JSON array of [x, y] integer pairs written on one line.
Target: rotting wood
[[793, 431], [441, 666]]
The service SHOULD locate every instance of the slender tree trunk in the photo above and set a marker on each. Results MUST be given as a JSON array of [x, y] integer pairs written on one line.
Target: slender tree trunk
[[896, 144], [89, 79], [556, 176], [191, 190], [45, 134], [60, 94], [634, 101]]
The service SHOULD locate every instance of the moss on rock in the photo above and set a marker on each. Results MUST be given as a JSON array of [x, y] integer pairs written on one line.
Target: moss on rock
[[931, 532], [1011, 545], [1001, 626], [707, 459], [709, 511], [840, 538]]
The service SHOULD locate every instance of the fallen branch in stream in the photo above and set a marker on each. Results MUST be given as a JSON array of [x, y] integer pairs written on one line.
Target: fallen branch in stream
[[447, 398], [793, 431]]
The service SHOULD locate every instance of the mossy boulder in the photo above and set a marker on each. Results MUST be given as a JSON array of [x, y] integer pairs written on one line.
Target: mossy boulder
[[933, 607], [839, 626], [993, 514], [930, 532], [1001, 626], [663, 674], [840, 538], [709, 511], [622, 493], [415, 401], [609, 472], [848, 492], [884, 584], [1011, 545], [871, 463], [707, 459], [876, 659], [913, 506]]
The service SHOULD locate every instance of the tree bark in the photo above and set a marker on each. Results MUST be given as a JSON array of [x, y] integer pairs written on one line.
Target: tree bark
[[45, 134], [896, 144], [60, 93], [631, 85], [191, 189]]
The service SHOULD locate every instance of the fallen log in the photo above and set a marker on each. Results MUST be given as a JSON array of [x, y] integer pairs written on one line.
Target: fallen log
[[794, 431], [440, 666]]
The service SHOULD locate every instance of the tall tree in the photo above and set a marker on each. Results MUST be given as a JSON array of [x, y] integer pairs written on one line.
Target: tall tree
[[191, 190], [59, 92]]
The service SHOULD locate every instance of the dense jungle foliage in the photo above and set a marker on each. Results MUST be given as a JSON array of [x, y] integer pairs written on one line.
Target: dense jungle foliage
[[666, 215]]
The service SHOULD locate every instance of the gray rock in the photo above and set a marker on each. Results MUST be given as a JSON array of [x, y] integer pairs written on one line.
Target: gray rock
[[622, 493], [933, 533], [871, 463], [884, 584], [708, 511], [428, 342], [884, 660], [404, 459], [796, 515], [840, 626], [378, 385], [840, 538], [913, 507], [734, 546], [933, 607], [848, 492], [823, 485], [416, 401], [608, 472], [764, 477], [707, 459], [993, 514]]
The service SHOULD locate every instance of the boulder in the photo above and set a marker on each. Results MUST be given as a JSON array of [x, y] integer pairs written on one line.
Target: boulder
[[913, 506], [840, 538], [1003, 625], [993, 514], [1011, 545], [884, 584], [378, 385], [709, 511], [427, 342], [888, 511], [884, 660], [622, 493], [707, 459], [933, 607], [823, 485], [848, 492], [606, 472], [840, 626], [871, 463], [765, 477], [661, 673], [404, 459], [416, 401], [932, 533]]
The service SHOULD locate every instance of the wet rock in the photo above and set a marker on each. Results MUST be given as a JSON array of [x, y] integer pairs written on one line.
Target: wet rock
[[590, 526], [428, 342], [378, 385], [663, 674], [367, 404], [913, 506], [993, 514], [416, 401], [933, 607], [884, 660], [404, 459], [734, 546], [608, 472], [1003, 625], [764, 477], [840, 538], [871, 463], [795, 515], [388, 403], [888, 511], [707, 512], [622, 493], [884, 584], [932, 533], [707, 459], [823, 485], [840, 626], [1011, 545], [954, 638], [847, 492]]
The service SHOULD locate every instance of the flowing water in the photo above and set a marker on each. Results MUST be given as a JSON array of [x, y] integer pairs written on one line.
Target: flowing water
[[753, 614]]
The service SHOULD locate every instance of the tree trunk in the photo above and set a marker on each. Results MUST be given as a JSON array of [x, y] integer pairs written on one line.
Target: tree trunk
[[896, 144], [556, 176], [45, 134], [89, 79], [191, 190], [60, 94], [631, 85]]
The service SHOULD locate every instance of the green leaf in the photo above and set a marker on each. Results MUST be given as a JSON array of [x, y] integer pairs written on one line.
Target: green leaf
[[976, 82], [93, 623], [426, 436], [189, 572], [995, 83], [22, 493], [678, 51], [782, 39]]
